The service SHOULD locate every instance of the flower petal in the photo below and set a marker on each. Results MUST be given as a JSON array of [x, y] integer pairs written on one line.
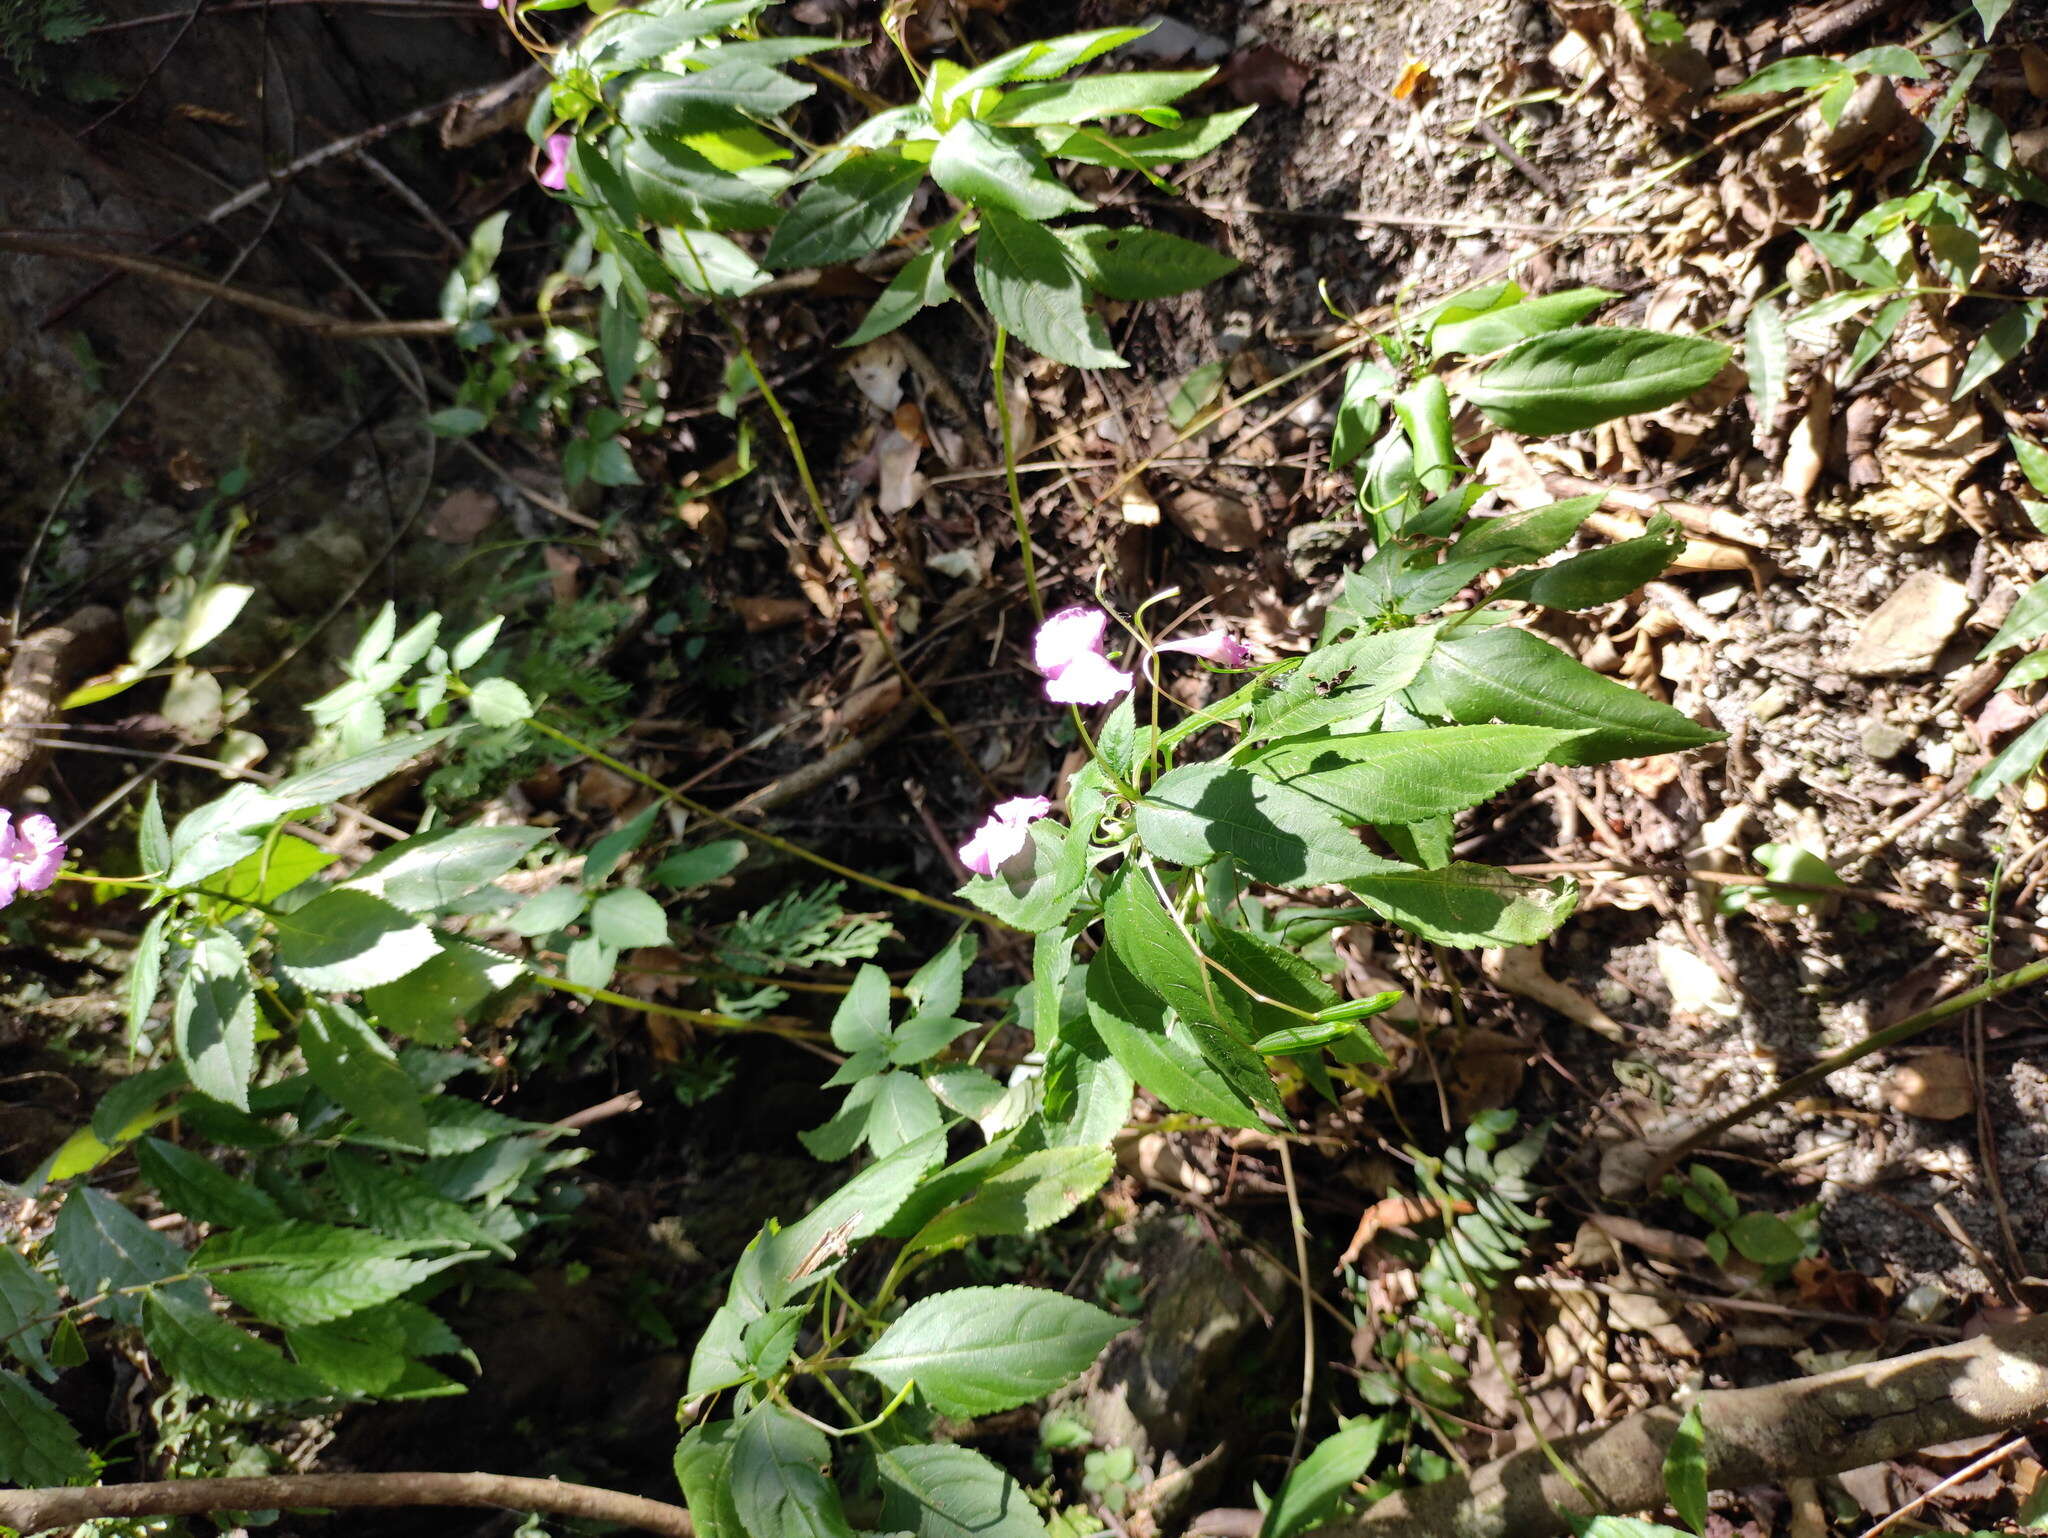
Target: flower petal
[[1218, 646], [1021, 809], [994, 843], [555, 174], [1071, 633], [1090, 679]]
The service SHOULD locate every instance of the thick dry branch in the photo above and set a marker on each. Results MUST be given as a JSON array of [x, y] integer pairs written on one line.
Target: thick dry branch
[[34, 1511], [1809, 1426]]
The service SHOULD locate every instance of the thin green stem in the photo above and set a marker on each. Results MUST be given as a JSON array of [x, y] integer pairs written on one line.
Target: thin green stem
[[1876, 1041], [671, 1011], [1009, 440], [760, 835]]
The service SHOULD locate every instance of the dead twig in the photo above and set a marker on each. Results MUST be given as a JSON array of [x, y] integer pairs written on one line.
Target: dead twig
[[34, 1511]]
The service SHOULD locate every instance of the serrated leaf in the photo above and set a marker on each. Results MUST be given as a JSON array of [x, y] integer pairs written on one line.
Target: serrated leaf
[[1033, 1193], [1043, 59], [2003, 340], [268, 873], [361, 1354], [346, 939], [1131, 1021], [152, 839], [1469, 905], [213, 1019], [406, 1207], [1567, 380], [145, 975], [1501, 673], [429, 1003], [345, 777], [1143, 264], [1801, 72], [1278, 835], [977, 1350], [704, 1471], [1032, 289], [28, 1311], [1381, 667], [545, 912], [703, 100], [1596, 577], [354, 1068], [846, 213], [206, 1353], [919, 285], [984, 166], [953, 1492], [38, 1446], [779, 1484], [673, 184], [296, 1274], [1196, 136], [428, 871], [1401, 777], [195, 1186], [103, 1248]]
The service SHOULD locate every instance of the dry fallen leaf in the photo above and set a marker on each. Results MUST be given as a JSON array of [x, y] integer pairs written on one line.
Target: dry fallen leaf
[[1520, 971], [1935, 1086], [1414, 78], [1399, 1213], [1220, 520], [462, 516], [759, 614], [1265, 77]]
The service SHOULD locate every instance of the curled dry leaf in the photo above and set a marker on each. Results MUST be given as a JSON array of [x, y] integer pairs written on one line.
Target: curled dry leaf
[[1399, 1213], [1221, 520], [1155, 1157], [462, 516], [1928, 449], [1520, 971], [1265, 77], [759, 614], [1806, 449]]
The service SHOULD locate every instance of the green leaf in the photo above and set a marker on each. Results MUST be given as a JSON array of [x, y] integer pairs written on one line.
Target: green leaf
[[886, 1111], [406, 1207], [706, 99], [362, 1354], [689, 870], [859, 1208], [1279, 835], [1566, 380], [1360, 411], [194, 1185], [213, 1019], [2004, 340], [1989, 14], [296, 1274], [346, 776], [1384, 664], [989, 167], [628, 918], [267, 873], [205, 1353], [152, 840], [1034, 1193], [354, 1068], [1685, 1471], [1131, 1021], [1501, 673], [846, 213], [1626, 1527], [429, 1002], [145, 975], [1035, 890], [675, 185], [920, 284], [1033, 291], [347, 939], [1800, 73], [1096, 96], [1469, 905], [1783, 862], [500, 702], [1495, 329], [779, 1485], [1397, 777], [28, 1311], [102, 1247], [1766, 1239], [545, 912], [704, 1471], [1521, 538], [1044, 59], [1310, 1494], [1196, 136], [1196, 392], [705, 263], [1887, 59], [977, 1350], [2033, 461], [1766, 355], [953, 1492], [428, 871], [1595, 577], [38, 1447], [1143, 264]]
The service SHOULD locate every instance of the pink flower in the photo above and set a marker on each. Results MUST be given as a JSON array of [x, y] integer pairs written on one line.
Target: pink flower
[[1068, 651], [555, 174], [1218, 646], [1003, 836], [490, 5], [30, 855]]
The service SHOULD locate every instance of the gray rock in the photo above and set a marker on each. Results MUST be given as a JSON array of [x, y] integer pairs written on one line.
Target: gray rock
[[1882, 741]]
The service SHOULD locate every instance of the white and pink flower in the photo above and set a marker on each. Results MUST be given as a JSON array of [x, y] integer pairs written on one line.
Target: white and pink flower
[[1002, 838]]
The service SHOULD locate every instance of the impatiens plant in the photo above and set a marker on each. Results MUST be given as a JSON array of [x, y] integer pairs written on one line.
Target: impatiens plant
[[31, 854]]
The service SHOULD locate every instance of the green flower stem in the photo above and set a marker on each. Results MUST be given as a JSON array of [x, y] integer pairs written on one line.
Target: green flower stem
[[672, 1011], [1876, 1041], [1010, 480], [780, 845]]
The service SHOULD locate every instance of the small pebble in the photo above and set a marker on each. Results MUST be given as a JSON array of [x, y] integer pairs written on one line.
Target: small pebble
[[1770, 703], [1883, 741]]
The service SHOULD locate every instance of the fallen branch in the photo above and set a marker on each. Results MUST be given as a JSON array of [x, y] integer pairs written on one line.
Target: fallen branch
[[34, 1511], [1799, 1429]]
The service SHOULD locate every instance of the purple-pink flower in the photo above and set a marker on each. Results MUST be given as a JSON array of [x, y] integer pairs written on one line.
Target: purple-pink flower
[[1218, 646], [555, 174], [31, 854], [1068, 651], [1003, 836]]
